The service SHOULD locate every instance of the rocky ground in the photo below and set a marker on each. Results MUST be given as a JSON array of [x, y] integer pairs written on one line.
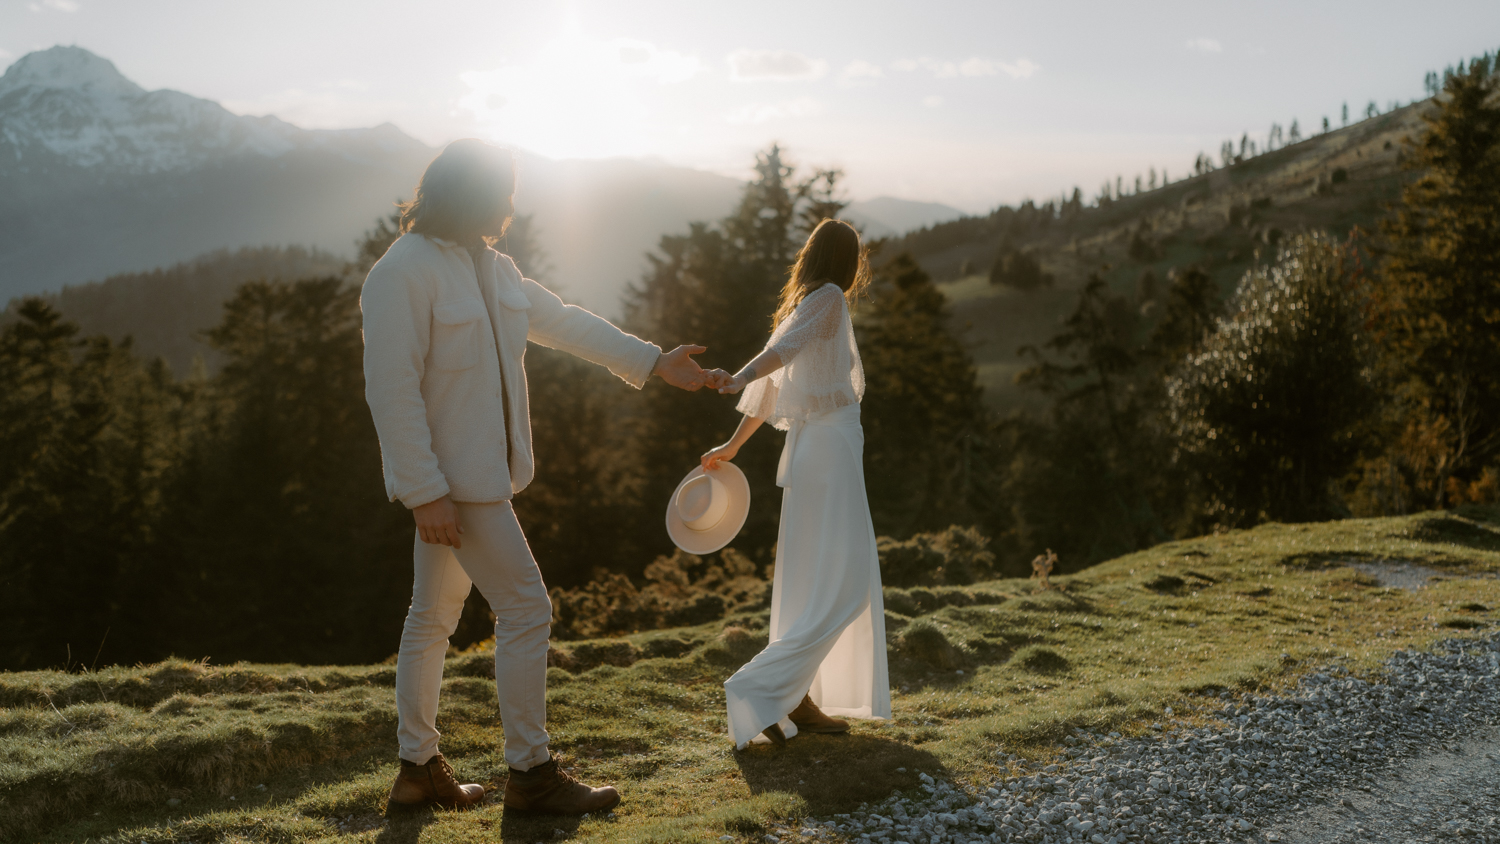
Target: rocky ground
[[1413, 755]]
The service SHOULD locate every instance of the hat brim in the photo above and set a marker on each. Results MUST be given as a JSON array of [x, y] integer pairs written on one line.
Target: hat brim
[[716, 537]]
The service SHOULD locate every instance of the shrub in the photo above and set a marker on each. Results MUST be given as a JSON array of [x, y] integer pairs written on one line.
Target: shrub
[[680, 591], [957, 556], [1269, 413]]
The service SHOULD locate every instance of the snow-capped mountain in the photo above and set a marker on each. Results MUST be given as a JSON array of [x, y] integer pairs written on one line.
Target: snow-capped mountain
[[99, 176], [67, 106]]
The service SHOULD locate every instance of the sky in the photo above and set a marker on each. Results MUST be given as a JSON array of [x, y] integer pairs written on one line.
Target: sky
[[972, 104]]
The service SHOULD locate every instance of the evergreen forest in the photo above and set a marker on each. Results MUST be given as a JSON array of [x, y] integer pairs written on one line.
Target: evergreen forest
[[220, 496]]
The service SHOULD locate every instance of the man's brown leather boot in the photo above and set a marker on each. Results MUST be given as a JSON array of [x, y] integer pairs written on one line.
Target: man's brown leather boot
[[810, 719], [549, 790], [432, 784]]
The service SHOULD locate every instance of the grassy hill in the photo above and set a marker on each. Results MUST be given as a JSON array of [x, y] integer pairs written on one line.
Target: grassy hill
[[1219, 221], [187, 751]]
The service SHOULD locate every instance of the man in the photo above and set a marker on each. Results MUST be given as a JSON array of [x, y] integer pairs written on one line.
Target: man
[[446, 322]]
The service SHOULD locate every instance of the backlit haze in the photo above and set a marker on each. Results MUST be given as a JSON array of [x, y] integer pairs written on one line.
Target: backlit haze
[[969, 104]]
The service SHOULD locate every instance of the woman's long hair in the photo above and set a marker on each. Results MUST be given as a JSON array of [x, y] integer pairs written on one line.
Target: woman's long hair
[[832, 253], [466, 187]]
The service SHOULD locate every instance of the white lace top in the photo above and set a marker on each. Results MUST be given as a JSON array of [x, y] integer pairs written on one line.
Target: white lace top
[[820, 364]]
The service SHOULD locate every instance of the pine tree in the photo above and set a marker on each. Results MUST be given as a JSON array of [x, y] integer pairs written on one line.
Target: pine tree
[[1092, 452], [717, 286], [84, 428], [1440, 286], [283, 539], [920, 378]]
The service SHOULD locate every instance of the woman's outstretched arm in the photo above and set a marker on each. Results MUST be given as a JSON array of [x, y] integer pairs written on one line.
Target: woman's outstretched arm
[[764, 364], [728, 450]]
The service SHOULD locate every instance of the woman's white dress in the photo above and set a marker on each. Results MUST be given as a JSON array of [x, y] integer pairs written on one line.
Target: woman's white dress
[[827, 617]]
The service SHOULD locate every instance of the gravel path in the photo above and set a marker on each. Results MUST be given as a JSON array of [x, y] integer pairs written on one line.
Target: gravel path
[[1412, 757], [1441, 796]]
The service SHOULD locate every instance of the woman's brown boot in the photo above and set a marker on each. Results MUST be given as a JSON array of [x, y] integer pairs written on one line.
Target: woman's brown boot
[[810, 719], [432, 784]]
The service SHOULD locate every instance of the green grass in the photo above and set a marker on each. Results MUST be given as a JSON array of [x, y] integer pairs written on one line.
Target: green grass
[[179, 751]]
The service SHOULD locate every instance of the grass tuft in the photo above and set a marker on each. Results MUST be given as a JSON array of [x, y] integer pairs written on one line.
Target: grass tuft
[[1040, 659]]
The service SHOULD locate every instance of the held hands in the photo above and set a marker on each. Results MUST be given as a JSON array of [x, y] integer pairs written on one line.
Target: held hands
[[718, 379], [727, 451], [437, 522], [731, 384], [678, 368]]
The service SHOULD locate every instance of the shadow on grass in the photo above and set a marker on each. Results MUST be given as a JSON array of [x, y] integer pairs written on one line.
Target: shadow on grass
[[529, 826], [836, 773], [1319, 560], [1454, 530], [405, 826]]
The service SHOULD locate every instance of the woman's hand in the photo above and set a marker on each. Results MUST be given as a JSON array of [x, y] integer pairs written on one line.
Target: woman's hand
[[716, 378], [437, 522], [727, 451], [734, 385]]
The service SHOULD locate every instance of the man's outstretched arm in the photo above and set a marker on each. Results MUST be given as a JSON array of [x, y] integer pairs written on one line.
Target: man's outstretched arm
[[572, 329]]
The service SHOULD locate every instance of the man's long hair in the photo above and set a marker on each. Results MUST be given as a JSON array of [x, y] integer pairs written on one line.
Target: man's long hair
[[466, 187], [832, 253]]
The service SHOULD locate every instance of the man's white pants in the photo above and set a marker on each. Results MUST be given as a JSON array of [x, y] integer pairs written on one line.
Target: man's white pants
[[496, 558]]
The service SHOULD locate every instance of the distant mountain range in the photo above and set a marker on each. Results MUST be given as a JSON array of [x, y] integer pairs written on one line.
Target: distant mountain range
[[99, 176]]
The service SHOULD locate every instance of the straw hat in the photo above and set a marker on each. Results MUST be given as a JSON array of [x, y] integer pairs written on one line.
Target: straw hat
[[708, 509]]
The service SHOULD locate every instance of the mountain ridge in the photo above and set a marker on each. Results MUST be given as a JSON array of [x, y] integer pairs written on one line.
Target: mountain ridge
[[100, 177]]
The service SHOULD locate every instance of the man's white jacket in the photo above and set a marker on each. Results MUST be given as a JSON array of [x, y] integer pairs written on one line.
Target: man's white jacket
[[438, 338]]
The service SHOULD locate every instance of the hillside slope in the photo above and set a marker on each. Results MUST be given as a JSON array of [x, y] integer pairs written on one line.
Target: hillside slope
[[1219, 222], [191, 751]]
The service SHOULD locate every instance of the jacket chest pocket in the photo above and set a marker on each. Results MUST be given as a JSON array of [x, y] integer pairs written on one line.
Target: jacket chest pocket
[[457, 333]]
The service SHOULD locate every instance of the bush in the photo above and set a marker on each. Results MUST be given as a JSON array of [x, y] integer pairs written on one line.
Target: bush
[[680, 591], [957, 556], [1269, 413], [1018, 270]]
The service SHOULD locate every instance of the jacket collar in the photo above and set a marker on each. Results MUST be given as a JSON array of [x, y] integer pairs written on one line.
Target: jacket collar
[[503, 271]]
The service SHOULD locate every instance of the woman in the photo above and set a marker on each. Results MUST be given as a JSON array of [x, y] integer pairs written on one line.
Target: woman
[[827, 651]]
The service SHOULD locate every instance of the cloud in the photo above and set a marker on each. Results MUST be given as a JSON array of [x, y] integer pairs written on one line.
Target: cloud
[[858, 71], [932, 101], [1019, 69], [975, 66], [764, 112], [69, 6], [1205, 45], [780, 65]]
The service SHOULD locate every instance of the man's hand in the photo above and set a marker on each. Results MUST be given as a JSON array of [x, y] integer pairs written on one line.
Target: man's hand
[[437, 522], [678, 368]]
